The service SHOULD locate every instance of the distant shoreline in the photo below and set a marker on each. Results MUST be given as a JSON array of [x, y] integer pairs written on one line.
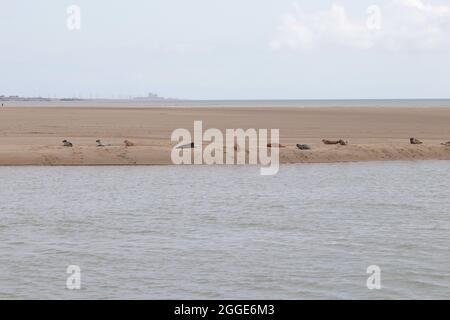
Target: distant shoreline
[[33, 135]]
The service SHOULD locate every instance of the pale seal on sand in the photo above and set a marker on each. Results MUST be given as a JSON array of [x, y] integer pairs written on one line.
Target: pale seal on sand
[[340, 141], [100, 144], [447, 144], [128, 143], [67, 143]]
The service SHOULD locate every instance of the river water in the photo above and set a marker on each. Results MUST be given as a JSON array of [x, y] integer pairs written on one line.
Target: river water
[[218, 232]]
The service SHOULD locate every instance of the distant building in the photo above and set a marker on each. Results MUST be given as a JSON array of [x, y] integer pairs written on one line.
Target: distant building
[[151, 96]]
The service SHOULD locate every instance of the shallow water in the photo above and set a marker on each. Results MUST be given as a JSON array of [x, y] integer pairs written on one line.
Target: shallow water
[[98, 103], [226, 232]]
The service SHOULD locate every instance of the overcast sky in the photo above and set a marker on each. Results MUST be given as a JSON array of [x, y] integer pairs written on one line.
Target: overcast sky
[[233, 49]]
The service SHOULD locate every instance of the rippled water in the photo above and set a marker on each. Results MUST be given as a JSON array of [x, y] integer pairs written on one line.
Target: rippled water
[[226, 232]]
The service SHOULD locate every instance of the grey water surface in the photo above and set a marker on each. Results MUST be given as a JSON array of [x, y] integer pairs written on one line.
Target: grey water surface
[[225, 232]]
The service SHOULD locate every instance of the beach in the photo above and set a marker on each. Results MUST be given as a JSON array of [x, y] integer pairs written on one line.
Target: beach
[[33, 135]]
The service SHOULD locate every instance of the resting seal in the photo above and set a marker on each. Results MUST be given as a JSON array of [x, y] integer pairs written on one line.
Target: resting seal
[[129, 143], [187, 146], [303, 147], [67, 143], [415, 141], [340, 141]]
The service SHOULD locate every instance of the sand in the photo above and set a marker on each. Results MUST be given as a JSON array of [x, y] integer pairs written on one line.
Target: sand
[[32, 136]]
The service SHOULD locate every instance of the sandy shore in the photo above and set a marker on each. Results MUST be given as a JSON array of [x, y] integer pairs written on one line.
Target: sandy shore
[[32, 136]]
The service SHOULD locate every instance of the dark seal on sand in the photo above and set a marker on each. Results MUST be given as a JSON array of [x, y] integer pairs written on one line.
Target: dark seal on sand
[[187, 146], [303, 146], [415, 141]]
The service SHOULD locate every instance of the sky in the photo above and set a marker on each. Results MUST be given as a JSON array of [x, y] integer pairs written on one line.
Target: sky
[[233, 49]]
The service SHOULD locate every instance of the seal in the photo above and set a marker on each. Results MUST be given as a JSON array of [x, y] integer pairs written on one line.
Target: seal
[[186, 146], [340, 141], [67, 143], [303, 146], [415, 141]]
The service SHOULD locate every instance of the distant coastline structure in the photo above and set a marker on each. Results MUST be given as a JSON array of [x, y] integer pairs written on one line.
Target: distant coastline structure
[[150, 97], [19, 98]]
